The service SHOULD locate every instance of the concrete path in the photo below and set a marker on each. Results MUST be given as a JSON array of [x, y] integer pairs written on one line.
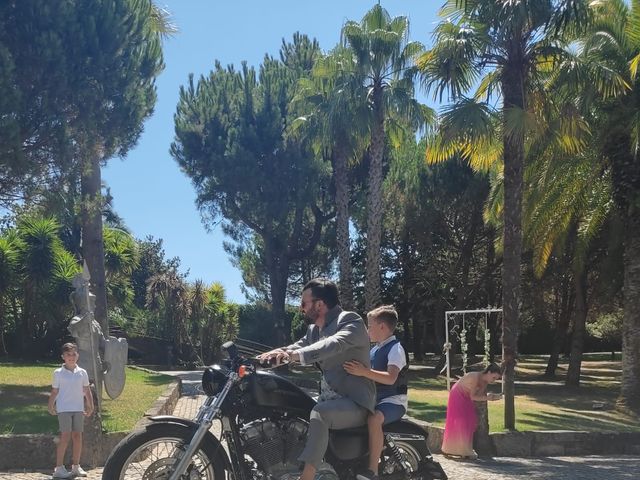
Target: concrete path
[[556, 468]]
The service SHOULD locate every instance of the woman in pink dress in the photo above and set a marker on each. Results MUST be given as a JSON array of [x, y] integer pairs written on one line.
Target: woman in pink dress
[[461, 411]]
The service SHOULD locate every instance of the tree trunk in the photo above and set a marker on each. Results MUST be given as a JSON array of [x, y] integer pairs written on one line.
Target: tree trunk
[[463, 264], [440, 333], [490, 289], [375, 208], [513, 92], [626, 187], [92, 241], [3, 347], [278, 269], [562, 325], [481, 440], [341, 181], [418, 326], [579, 323], [630, 386]]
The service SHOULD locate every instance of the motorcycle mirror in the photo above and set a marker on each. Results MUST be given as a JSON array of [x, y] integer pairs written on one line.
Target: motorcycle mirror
[[231, 349]]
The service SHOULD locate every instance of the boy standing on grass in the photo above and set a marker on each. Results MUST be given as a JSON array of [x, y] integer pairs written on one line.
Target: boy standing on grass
[[67, 400], [389, 371]]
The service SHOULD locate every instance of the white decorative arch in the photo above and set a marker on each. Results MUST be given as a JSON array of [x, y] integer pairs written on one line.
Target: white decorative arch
[[447, 345]]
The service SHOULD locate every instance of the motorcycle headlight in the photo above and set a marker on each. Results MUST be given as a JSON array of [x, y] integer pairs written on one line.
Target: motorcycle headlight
[[213, 379]]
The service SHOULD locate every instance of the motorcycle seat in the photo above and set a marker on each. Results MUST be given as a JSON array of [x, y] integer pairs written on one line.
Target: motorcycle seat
[[364, 430]]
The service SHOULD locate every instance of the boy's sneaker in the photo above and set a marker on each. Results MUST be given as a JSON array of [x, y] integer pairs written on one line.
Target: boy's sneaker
[[367, 475], [62, 472], [77, 471]]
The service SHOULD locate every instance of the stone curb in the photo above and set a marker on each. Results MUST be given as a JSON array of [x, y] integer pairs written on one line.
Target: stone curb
[[37, 451], [548, 443]]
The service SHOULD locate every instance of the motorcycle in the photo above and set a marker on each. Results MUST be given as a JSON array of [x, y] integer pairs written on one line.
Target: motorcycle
[[264, 420]]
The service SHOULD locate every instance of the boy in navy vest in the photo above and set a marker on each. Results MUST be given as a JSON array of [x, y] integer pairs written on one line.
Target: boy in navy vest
[[389, 371]]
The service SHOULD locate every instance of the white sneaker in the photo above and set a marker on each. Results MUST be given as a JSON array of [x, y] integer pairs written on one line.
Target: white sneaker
[[77, 471], [62, 472]]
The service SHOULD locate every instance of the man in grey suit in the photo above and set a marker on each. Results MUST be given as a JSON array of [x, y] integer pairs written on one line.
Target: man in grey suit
[[334, 336]]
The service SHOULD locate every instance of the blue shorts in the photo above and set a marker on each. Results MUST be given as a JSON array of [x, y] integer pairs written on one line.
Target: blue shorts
[[392, 412]]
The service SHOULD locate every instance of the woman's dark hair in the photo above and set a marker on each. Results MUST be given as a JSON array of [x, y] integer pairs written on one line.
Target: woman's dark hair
[[493, 368], [325, 290]]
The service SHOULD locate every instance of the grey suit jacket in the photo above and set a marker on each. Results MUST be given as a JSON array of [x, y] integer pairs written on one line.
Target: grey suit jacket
[[343, 338]]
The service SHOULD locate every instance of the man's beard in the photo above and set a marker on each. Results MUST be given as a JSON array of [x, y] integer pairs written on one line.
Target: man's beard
[[309, 320]]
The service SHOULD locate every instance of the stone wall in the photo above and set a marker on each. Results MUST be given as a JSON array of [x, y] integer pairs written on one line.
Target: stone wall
[[37, 451], [547, 443]]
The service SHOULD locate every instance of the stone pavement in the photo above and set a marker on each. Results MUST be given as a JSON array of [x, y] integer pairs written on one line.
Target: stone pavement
[[557, 468]]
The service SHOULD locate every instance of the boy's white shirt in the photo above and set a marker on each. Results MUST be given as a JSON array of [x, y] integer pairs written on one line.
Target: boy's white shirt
[[70, 385], [395, 357]]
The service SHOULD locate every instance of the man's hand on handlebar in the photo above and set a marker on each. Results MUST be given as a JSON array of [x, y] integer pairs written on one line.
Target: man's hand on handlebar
[[277, 357]]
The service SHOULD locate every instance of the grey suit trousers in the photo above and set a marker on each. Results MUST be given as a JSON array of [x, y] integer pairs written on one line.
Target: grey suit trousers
[[331, 414]]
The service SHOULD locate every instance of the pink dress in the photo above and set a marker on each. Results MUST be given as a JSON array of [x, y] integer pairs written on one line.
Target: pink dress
[[461, 423]]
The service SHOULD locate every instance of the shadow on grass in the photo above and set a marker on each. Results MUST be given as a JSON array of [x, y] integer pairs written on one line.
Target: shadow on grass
[[427, 412], [23, 409], [156, 380], [573, 420]]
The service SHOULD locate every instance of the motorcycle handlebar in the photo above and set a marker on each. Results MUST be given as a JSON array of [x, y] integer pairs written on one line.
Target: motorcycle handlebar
[[236, 359]]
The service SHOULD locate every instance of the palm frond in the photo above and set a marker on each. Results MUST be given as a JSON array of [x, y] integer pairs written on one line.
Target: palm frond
[[466, 129], [450, 66], [489, 83], [161, 21]]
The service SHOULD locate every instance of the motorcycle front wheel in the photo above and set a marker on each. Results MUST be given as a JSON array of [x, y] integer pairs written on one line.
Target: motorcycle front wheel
[[151, 454]]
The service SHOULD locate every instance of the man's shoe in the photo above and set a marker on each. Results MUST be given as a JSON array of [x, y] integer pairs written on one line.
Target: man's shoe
[[77, 471], [62, 472], [367, 475]]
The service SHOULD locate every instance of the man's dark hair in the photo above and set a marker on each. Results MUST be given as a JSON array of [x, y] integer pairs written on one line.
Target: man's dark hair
[[386, 314], [494, 368], [325, 290]]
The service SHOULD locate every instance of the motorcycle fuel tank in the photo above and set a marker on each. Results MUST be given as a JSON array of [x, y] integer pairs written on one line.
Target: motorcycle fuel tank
[[272, 391]]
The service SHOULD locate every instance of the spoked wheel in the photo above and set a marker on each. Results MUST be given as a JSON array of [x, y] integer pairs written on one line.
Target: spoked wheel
[[153, 453], [409, 459]]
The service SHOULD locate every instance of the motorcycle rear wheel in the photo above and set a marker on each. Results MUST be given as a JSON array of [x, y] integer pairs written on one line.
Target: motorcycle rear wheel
[[152, 453], [410, 456]]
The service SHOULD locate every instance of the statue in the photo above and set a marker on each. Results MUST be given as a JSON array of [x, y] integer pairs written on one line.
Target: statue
[[103, 357]]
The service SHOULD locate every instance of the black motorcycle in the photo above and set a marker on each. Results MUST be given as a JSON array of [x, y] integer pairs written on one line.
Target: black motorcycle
[[264, 420]]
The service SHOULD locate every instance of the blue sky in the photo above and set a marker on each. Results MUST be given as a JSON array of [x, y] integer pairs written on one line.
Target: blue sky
[[150, 192]]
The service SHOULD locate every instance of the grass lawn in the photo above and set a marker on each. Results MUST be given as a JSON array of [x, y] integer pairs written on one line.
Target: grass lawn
[[541, 403], [24, 392]]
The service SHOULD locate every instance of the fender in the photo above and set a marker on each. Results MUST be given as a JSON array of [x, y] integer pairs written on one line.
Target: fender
[[408, 428], [183, 422]]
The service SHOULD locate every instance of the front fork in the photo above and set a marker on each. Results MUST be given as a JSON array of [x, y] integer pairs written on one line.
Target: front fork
[[205, 417]]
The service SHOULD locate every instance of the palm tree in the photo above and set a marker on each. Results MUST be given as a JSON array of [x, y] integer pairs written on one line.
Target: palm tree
[[40, 254], [167, 293], [140, 32], [503, 46], [567, 203], [604, 75], [384, 73], [8, 265], [336, 122], [121, 258]]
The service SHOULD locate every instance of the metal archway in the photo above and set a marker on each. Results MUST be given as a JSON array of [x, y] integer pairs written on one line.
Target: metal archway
[[447, 345]]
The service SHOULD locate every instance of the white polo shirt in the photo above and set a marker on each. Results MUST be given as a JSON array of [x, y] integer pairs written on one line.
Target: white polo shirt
[[70, 385]]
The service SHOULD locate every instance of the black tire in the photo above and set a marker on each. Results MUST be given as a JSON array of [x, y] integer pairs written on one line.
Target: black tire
[[209, 460], [410, 453]]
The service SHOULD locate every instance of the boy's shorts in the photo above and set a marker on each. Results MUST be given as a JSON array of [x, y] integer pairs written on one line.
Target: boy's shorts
[[71, 421], [392, 412]]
